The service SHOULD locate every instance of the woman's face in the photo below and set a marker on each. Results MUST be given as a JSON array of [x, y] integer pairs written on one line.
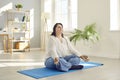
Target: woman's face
[[59, 29]]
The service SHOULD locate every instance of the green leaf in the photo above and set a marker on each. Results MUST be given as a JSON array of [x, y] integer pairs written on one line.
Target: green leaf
[[89, 33]]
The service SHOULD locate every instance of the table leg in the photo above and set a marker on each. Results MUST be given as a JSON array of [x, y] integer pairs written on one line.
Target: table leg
[[4, 44]]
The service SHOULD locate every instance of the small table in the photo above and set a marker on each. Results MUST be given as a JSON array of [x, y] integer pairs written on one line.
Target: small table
[[5, 40]]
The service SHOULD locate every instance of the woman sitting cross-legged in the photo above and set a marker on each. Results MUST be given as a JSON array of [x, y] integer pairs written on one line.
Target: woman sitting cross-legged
[[61, 55]]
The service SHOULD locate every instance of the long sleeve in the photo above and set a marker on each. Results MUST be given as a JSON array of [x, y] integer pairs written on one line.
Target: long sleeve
[[52, 48], [72, 49]]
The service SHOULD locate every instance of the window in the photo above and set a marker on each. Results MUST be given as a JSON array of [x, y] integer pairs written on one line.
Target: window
[[114, 15], [63, 11]]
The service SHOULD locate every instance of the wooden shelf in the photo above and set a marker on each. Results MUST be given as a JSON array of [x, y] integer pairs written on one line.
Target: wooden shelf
[[19, 28], [20, 31], [20, 40], [17, 49], [16, 11], [15, 22]]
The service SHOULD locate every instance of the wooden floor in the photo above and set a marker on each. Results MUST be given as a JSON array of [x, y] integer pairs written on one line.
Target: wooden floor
[[10, 64]]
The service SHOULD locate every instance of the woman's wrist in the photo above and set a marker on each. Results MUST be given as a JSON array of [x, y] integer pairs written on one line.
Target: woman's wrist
[[84, 57], [56, 60]]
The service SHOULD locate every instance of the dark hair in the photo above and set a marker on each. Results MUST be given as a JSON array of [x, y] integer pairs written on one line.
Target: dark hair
[[54, 29]]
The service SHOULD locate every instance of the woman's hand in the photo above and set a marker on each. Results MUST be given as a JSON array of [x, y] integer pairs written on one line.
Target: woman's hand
[[56, 60], [84, 57]]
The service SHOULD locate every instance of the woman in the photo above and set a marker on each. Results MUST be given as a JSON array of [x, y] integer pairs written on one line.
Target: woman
[[61, 54]]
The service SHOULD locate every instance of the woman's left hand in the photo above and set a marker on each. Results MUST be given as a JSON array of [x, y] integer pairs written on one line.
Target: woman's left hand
[[84, 57]]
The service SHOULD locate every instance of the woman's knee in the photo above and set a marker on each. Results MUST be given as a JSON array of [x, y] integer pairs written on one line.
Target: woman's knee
[[49, 63], [63, 65], [74, 61]]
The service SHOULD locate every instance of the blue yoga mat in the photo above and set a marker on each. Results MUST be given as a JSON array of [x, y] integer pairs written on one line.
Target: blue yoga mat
[[45, 72]]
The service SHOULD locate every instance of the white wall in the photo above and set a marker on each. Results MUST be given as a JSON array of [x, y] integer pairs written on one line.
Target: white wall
[[98, 11], [27, 5]]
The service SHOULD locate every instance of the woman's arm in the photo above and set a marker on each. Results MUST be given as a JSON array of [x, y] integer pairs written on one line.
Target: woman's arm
[[75, 51], [52, 47], [71, 47]]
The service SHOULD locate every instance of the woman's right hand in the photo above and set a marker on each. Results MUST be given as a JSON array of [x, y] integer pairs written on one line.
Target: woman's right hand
[[84, 57], [56, 60]]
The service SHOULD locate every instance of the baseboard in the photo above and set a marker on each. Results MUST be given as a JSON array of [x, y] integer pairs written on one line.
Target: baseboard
[[37, 49], [34, 49]]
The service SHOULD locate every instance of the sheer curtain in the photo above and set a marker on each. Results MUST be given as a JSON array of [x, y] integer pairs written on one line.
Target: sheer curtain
[[61, 11]]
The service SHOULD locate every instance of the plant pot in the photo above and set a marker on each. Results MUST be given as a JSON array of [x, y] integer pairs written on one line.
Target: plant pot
[[18, 9]]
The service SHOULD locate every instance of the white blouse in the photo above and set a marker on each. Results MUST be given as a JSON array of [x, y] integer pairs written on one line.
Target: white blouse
[[57, 48]]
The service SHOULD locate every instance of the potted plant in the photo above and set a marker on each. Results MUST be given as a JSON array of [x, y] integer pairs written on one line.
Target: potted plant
[[18, 6], [89, 33]]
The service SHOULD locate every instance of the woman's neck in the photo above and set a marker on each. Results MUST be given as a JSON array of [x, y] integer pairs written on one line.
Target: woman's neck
[[59, 35]]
